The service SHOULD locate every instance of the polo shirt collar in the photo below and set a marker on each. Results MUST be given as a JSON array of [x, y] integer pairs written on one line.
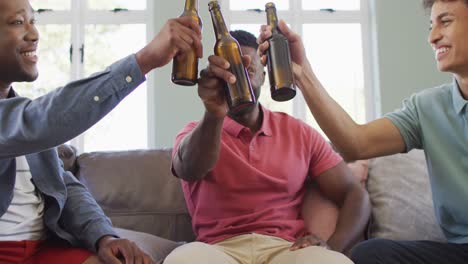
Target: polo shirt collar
[[458, 101], [234, 128]]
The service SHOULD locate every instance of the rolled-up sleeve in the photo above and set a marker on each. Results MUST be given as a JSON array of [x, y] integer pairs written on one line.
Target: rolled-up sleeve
[[407, 121]]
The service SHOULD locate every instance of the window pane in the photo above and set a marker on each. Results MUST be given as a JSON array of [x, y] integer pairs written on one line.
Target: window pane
[[54, 61], [333, 4], [265, 96], [257, 4], [112, 4], [51, 4], [335, 52], [126, 126]]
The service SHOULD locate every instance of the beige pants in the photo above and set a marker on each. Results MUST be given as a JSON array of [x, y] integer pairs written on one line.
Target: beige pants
[[253, 249]]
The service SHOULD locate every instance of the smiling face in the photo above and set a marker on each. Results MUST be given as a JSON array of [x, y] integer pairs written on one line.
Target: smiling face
[[18, 42], [449, 36]]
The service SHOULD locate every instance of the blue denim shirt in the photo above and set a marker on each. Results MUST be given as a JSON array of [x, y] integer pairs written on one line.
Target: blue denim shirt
[[34, 127]]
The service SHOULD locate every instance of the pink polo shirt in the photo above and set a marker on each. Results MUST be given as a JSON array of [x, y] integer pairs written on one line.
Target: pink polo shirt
[[257, 185]]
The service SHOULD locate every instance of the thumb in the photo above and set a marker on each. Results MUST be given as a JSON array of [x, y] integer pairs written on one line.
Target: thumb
[[297, 70], [290, 35]]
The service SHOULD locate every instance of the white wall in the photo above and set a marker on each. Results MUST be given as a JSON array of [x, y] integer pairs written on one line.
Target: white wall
[[406, 60], [173, 105]]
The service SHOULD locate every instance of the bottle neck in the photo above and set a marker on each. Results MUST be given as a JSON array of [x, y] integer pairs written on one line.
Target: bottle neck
[[272, 19], [218, 23], [191, 5]]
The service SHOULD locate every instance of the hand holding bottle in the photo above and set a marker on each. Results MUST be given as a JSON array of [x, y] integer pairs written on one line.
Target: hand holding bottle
[[298, 54], [185, 65], [212, 82], [279, 63], [177, 35], [239, 94], [296, 46]]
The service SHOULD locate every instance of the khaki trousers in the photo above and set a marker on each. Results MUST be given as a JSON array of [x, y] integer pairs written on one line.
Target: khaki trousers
[[253, 249]]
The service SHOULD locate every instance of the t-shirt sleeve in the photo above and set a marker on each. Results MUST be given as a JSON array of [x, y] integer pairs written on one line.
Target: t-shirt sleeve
[[407, 121], [323, 157], [187, 129]]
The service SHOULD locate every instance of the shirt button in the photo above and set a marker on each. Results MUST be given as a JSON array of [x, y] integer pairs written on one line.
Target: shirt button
[[128, 79], [96, 98]]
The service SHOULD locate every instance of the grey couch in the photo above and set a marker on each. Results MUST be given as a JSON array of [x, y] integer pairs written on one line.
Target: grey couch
[[138, 192]]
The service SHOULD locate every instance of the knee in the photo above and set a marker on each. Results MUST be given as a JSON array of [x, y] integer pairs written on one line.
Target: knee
[[373, 251], [175, 258], [184, 254]]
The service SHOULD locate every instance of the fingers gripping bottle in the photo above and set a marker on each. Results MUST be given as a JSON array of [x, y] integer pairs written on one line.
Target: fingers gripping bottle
[[239, 95], [279, 60], [185, 66]]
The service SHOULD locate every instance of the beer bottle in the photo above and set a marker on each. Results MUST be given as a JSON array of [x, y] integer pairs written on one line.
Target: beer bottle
[[279, 60], [239, 94], [185, 66]]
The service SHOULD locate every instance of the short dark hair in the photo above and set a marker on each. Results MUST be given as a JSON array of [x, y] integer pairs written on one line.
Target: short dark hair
[[427, 4], [245, 38]]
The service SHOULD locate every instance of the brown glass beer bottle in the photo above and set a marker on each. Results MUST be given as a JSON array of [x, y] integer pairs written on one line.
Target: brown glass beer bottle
[[239, 95], [185, 66], [279, 60]]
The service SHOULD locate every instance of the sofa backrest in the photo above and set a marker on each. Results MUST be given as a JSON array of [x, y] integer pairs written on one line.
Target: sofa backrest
[[137, 190], [400, 193]]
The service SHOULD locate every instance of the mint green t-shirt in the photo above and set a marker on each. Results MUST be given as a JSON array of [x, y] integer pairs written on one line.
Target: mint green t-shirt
[[436, 120]]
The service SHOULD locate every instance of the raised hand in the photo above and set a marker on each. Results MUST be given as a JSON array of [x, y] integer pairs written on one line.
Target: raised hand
[[212, 83], [296, 46], [178, 35]]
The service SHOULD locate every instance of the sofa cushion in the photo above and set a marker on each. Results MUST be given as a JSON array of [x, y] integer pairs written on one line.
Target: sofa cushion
[[401, 199], [137, 191]]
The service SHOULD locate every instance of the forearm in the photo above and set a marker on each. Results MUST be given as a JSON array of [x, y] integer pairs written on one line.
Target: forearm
[[143, 59], [199, 150], [352, 219], [332, 118], [82, 216]]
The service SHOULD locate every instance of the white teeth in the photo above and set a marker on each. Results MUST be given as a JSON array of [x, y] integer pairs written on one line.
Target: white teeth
[[29, 54], [441, 50]]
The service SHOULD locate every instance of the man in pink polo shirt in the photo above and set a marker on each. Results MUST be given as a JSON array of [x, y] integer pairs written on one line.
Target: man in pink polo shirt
[[244, 179]]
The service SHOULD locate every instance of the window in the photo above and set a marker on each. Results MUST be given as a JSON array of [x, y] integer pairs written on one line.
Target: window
[[257, 4], [113, 28], [331, 5], [336, 35]]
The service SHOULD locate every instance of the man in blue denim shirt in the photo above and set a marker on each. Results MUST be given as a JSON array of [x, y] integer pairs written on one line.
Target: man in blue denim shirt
[[38, 199]]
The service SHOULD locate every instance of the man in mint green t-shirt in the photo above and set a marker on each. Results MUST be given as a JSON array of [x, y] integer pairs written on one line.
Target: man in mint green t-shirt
[[435, 120]]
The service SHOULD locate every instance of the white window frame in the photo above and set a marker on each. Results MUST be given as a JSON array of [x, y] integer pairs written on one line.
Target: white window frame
[[297, 17], [78, 17]]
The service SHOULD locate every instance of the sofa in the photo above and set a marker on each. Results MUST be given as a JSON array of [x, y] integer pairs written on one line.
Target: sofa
[[138, 192]]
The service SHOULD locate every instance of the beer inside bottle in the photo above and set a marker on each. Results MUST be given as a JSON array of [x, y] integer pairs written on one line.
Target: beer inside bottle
[[185, 66], [279, 60], [239, 95]]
